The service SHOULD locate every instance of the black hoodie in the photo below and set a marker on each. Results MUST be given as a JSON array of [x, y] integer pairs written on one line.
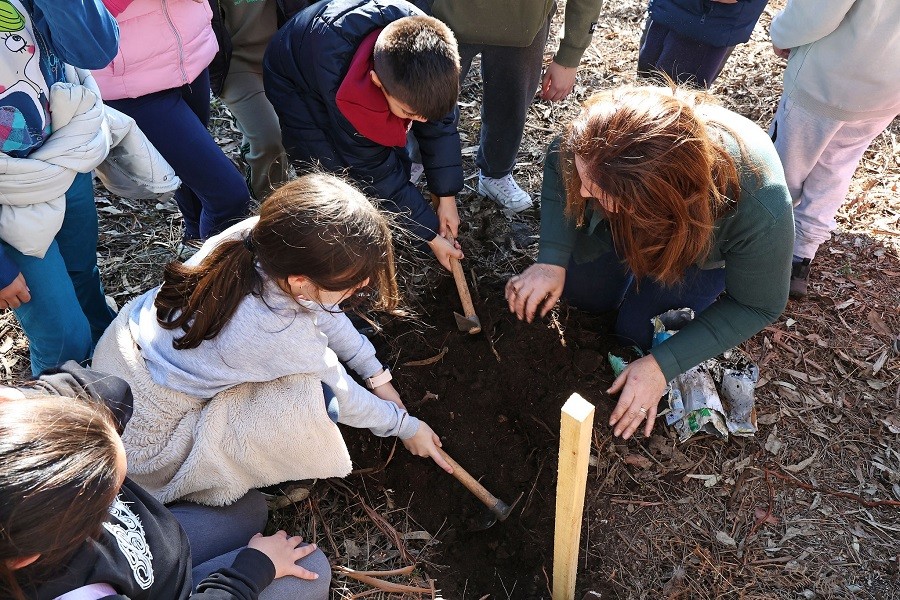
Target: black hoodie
[[142, 553]]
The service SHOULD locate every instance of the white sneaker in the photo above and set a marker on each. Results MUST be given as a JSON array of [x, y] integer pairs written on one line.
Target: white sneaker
[[505, 192], [416, 172]]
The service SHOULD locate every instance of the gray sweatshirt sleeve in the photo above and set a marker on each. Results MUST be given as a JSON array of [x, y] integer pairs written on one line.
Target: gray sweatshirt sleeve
[[803, 22], [358, 407], [353, 348]]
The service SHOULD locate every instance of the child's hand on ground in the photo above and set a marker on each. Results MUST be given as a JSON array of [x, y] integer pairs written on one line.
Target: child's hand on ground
[[448, 217], [444, 249], [387, 392], [284, 551], [425, 443]]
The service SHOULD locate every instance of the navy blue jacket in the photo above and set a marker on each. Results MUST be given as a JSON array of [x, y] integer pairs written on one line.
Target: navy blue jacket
[[712, 23], [303, 68]]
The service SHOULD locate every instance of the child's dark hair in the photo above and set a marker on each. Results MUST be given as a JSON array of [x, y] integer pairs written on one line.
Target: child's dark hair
[[417, 62], [317, 226], [59, 475]]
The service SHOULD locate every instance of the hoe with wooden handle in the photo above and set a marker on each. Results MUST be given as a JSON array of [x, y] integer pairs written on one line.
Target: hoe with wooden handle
[[500, 509], [468, 321]]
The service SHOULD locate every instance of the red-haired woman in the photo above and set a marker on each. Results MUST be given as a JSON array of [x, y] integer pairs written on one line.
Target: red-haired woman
[[657, 199]]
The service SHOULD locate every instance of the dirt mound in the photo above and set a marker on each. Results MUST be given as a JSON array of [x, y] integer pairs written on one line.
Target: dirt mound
[[495, 399]]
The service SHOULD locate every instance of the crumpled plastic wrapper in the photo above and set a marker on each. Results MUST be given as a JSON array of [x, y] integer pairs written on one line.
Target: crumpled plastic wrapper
[[695, 406], [715, 397], [736, 376]]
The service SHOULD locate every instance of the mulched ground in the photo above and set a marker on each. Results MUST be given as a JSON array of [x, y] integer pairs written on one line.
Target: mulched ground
[[495, 399], [806, 509]]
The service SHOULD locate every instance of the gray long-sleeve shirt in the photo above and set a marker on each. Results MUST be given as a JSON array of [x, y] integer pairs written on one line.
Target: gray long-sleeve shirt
[[270, 336]]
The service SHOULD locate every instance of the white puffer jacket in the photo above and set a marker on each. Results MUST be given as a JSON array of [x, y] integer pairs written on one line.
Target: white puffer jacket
[[86, 135]]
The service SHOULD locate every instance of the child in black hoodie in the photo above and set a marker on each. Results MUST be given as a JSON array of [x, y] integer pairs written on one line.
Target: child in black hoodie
[[72, 523]]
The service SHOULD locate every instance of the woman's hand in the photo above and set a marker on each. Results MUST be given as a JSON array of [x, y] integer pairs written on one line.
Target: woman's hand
[[444, 249], [448, 217], [538, 287], [284, 552], [387, 392], [425, 443], [642, 384]]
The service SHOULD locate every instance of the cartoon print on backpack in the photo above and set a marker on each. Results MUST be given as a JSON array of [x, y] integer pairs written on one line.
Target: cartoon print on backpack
[[23, 88]]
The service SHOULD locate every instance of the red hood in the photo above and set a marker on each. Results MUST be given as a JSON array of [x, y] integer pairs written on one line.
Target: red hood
[[363, 103]]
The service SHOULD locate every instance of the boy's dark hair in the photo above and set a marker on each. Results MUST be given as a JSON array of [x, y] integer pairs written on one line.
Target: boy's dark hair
[[318, 226], [417, 61]]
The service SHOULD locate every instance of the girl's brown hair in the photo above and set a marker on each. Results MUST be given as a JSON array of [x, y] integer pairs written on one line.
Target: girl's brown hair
[[317, 226], [58, 477], [664, 169]]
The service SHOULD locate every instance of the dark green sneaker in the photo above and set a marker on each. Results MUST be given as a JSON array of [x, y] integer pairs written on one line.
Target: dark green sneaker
[[800, 278]]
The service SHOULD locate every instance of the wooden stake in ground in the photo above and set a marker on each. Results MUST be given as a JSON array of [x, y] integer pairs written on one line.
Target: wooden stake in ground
[[574, 451]]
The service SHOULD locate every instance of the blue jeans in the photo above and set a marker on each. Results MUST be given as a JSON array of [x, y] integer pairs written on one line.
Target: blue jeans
[[213, 193], [607, 284], [331, 403], [67, 313]]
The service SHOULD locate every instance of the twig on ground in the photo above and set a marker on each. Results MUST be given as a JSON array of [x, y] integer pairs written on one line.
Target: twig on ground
[[491, 341], [533, 487], [427, 361], [380, 584], [775, 471], [372, 470], [380, 522], [636, 502], [334, 547]]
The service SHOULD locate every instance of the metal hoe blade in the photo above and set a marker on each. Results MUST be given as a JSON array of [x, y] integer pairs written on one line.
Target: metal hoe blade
[[468, 324], [487, 517]]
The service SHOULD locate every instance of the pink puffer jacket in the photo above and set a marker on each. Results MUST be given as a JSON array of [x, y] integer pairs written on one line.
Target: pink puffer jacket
[[163, 44]]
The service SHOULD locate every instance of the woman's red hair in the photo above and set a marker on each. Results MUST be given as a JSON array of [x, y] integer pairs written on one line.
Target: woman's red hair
[[665, 169]]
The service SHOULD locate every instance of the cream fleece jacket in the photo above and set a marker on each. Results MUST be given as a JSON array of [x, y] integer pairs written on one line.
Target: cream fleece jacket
[[268, 337], [845, 56]]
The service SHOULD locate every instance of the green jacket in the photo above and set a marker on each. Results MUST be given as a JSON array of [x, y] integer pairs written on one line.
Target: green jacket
[[251, 24], [753, 244], [516, 22]]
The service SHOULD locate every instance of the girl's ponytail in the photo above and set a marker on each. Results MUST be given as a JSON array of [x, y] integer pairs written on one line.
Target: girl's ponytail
[[201, 299], [317, 226]]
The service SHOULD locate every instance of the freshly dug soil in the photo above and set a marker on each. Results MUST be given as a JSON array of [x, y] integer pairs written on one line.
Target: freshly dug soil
[[499, 416]]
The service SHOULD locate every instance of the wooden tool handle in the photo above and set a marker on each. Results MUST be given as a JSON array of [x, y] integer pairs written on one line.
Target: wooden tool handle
[[462, 286], [471, 484]]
